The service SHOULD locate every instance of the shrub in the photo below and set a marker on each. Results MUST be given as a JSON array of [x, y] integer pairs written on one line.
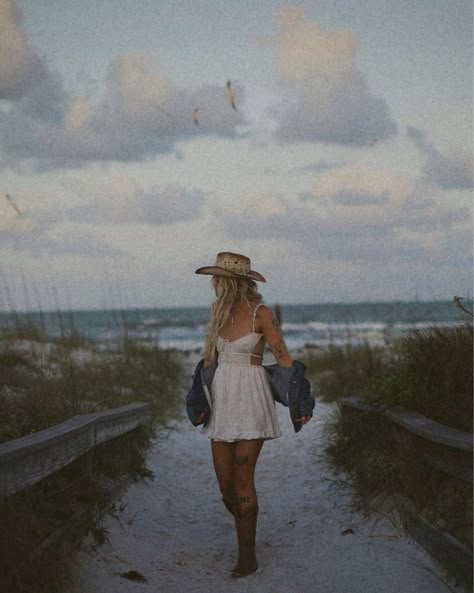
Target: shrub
[[431, 372]]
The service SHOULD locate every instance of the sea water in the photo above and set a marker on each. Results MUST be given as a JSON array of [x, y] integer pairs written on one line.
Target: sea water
[[184, 328]]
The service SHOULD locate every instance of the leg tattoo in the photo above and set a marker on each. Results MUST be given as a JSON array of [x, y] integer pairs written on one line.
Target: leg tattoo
[[245, 499]]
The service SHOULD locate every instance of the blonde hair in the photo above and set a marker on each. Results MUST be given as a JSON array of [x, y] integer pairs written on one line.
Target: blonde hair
[[228, 291]]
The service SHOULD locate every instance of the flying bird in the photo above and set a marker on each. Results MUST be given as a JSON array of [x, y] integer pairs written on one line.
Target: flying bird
[[195, 117], [230, 92], [12, 204]]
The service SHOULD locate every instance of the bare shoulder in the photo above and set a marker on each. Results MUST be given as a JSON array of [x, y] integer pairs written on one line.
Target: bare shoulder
[[267, 323], [264, 312], [265, 317]]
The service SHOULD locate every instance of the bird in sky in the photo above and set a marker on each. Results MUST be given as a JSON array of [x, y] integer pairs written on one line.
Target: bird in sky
[[195, 117], [230, 92], [12, 204]]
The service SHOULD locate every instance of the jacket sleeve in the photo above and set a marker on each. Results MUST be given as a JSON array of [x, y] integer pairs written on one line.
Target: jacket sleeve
[[196, 402], [302, 401], [307, 401]]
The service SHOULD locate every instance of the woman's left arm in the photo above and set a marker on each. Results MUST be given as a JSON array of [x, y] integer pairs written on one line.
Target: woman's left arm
[[268, 324]]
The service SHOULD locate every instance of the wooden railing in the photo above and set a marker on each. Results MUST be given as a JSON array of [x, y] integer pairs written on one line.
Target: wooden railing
[[444, 448], [29, 459]]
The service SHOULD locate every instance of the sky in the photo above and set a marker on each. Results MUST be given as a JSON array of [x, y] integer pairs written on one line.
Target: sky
[[344, 171]]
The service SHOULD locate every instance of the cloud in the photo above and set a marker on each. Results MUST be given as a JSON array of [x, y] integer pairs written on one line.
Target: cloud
[[318, 167], [16, 57], [326, 96], [351, 215], [100, 219], [13, 226], [122, 201], [448, 171], [34, 89], [89, 227], [141, 114], [67, 238], [38, 234]]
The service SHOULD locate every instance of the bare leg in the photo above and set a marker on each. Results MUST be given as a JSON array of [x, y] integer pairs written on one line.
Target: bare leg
[[243, 473], [246, 509], [223, 458]]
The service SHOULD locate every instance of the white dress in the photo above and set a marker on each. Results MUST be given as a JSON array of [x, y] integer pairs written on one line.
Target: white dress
[[242, 402]]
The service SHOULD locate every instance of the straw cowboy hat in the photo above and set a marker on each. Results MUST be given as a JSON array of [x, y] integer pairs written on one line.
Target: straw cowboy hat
[[232, 265]]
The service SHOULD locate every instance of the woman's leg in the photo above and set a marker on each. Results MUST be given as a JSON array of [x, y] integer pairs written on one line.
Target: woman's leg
[[223, 457], [246, 509], [243, 472]]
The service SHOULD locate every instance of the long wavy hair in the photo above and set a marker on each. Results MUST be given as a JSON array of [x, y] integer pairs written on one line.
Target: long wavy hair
[[229, 291]]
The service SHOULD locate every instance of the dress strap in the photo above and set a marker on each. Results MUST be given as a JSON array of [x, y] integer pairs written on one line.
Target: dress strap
[[254, 315]]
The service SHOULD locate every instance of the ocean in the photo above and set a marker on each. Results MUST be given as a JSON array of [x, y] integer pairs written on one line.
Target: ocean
[[184, 328]]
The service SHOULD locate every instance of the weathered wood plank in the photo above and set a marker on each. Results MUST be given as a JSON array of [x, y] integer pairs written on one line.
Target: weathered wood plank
[[430, 429], [113, 423], [455, 556], [448, 466], [29, 459], [444, 448], [420, 425], [448, 450]]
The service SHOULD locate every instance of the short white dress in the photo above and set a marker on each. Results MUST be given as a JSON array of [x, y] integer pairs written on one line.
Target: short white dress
[[243, 406]]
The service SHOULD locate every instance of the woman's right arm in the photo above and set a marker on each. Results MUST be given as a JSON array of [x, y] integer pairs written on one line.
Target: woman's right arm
[[269, 326]]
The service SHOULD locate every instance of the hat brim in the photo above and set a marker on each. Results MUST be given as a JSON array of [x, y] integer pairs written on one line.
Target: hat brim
[[217, 271]]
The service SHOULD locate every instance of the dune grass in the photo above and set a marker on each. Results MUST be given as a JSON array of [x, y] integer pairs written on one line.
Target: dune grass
[[73, 500], [388, 477], [341, 371], [429, 371], [44, 381]]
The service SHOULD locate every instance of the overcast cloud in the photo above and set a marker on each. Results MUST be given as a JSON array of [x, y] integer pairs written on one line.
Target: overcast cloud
[[326, 96], [141, 113], [123, 201], [16, 57], [453, 170], [119, 143], [351, 215]]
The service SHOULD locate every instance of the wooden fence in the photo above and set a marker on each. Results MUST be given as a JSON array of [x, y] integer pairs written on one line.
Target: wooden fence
[[29, 459], [446, 449]]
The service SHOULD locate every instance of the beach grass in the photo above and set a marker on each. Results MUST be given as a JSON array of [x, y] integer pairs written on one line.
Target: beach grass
[[341, 371], [389, 478], [45, 380], [431, 372], [428, 371]]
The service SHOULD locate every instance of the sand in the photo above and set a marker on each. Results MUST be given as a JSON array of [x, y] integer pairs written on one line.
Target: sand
[[177, 534]]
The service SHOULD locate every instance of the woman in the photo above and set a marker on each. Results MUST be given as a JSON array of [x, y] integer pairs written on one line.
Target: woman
[[243, 407]]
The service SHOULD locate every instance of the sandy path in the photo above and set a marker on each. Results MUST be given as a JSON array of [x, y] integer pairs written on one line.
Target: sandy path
[[176, 532]]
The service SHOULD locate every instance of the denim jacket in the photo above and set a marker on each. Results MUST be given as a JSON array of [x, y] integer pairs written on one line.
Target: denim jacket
[[288, 384]]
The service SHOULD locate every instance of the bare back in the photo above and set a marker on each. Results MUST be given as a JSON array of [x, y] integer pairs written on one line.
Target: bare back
[[241, 324]]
